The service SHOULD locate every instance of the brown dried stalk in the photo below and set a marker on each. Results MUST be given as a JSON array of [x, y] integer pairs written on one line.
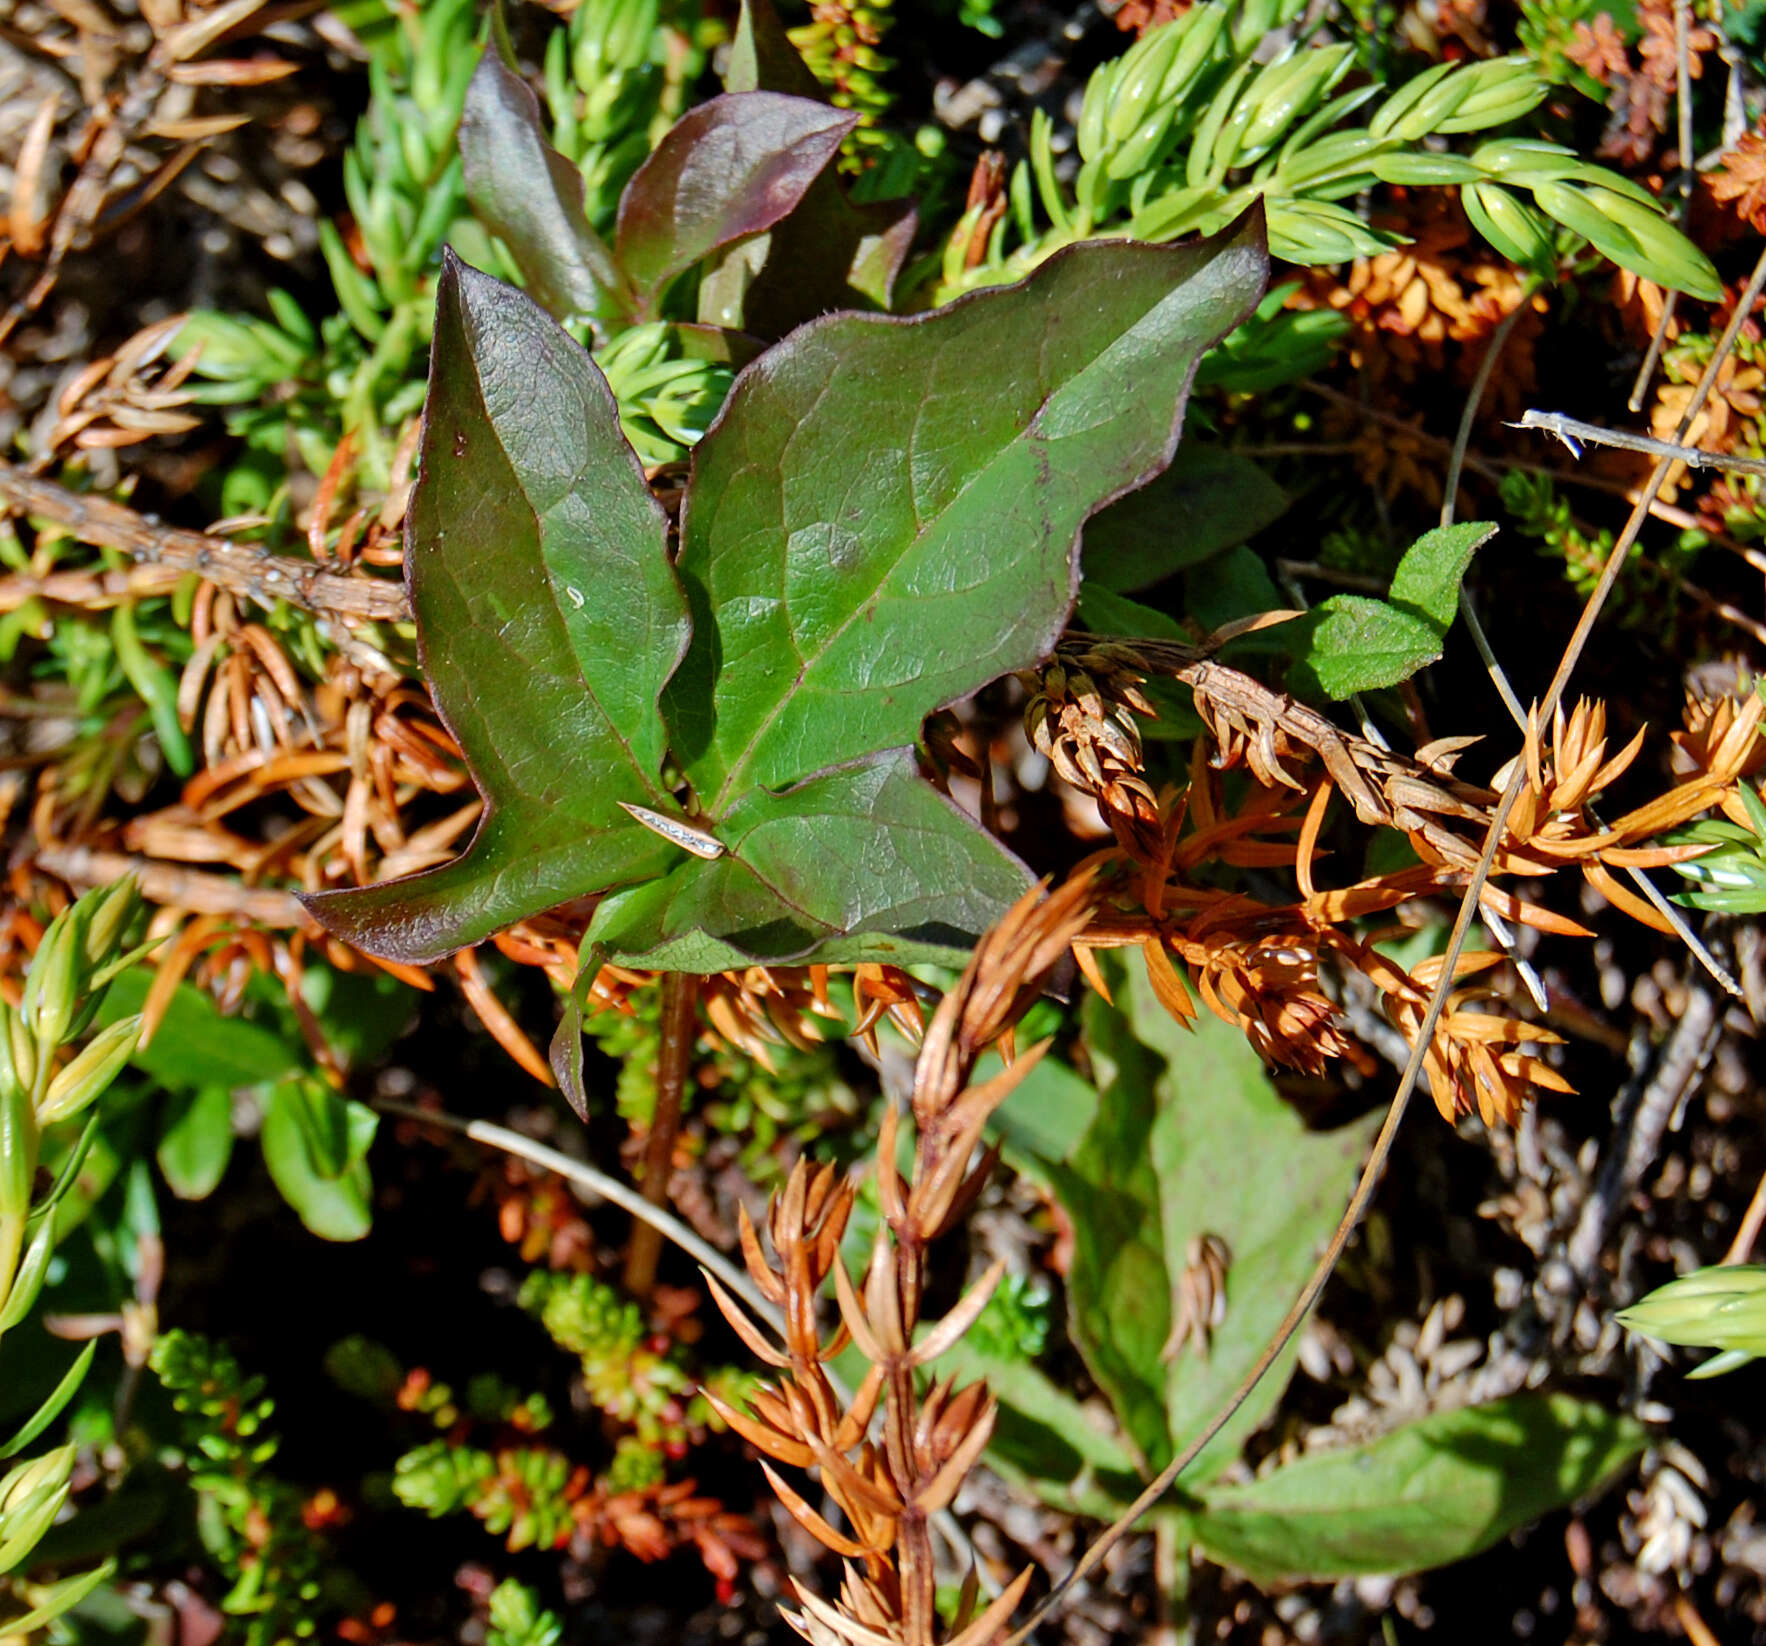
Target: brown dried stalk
[[240, 568], [888, 1490], [1257, 965], [120, 400], [680, 1020], [1445, 818]]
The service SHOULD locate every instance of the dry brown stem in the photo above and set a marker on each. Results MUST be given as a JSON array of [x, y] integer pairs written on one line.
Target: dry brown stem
[[187, 889], [123, 111], [889, 1489], [1439, 995], [240, 568]]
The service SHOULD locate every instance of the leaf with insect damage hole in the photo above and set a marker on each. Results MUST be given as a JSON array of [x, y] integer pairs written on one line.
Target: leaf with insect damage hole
[[548, 618]]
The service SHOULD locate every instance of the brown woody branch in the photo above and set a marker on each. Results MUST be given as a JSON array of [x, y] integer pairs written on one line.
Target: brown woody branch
[[240, 568], [189, 889]]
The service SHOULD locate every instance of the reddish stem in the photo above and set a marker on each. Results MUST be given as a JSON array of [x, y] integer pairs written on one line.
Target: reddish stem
[[680, 1024]]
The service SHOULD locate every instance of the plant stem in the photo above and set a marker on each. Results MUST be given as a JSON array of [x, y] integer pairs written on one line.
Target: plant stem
[[12, 1240], [680, 999]]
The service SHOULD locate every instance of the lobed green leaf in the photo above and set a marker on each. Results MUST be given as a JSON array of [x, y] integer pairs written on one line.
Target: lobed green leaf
[[548, 618], [887, 512]]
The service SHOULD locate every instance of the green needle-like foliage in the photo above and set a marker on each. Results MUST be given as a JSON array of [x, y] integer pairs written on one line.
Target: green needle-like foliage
[[45, 1083], [249, 1520], [1187, 127]]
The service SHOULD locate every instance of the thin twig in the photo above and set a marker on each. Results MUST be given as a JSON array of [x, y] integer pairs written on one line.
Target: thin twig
[[1449, 504], [670, 1227], [608, 1188], [1475, 398], [1643, 1113], [1499, 678], [1572, 431], [1742, 1247], [1364, 1189], [1697, 1630], [178, 888], [1652, 358], [237, 567], [1493, 471]]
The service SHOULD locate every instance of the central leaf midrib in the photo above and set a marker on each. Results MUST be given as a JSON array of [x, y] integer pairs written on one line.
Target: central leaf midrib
[[728, 789], [649, 786]]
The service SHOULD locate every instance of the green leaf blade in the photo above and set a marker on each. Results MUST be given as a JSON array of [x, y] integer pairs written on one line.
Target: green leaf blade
[[1433, 1491], [1119, 1286], [548, 619], [1427, 580], [1210, 499], [1181, 1109], [1217, 1108], [529, 195], [195, 1045], [1356, 644], [1063, 1451], [762, 57], [195, 1147], [865, 863], [315, 1145], [730, 168], [886, 515]]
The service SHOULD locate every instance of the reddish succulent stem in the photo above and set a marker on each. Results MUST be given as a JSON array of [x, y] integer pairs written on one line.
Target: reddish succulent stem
[[680, 999]]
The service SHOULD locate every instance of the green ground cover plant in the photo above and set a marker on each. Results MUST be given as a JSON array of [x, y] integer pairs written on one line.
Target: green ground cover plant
[[938, 666]]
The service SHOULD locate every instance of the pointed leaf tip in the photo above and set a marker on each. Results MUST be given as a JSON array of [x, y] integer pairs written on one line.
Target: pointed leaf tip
[[727, 169], [529, 195], [548, 618]]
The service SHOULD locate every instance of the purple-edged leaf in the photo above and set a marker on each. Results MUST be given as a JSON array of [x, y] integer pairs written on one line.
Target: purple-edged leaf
[[828, 253], [866, 863], [548, 618], [728, 169], [887, 513], [529, 195]]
